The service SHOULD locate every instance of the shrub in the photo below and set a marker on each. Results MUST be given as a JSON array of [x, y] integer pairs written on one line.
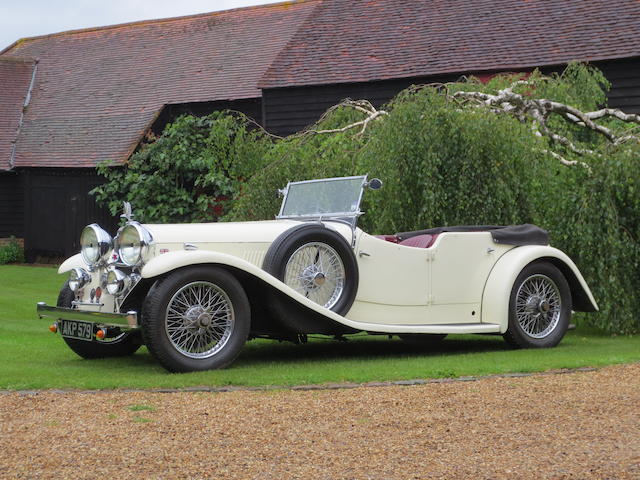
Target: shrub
[[11, 253], [443, 164], [190, 173]]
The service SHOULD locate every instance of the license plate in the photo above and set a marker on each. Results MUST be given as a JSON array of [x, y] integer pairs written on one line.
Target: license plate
[[76, 329]]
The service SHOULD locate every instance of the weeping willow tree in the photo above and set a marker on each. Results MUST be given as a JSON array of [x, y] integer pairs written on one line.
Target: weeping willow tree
[[538, 149]]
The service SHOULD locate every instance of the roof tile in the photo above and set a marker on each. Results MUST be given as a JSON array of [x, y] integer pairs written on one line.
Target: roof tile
[[365, 40], [15, 78], [97, 90]]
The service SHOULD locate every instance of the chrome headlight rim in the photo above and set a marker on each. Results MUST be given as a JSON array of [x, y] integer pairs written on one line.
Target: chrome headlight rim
[[78, 278], [117, 282], [144, 242], [104, 245]]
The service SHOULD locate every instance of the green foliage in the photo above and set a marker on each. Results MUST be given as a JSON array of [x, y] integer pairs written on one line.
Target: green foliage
[[443, 163], [300, 157], [451, 167], [11, 253], [190, 173]]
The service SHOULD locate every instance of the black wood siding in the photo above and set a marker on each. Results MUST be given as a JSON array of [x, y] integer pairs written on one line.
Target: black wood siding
[[57, 207], [289, 110], [624, 76], [11, 205], [251, 107]]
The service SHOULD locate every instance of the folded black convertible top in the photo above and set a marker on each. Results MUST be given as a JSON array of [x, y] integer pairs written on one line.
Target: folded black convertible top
[[525, 234]]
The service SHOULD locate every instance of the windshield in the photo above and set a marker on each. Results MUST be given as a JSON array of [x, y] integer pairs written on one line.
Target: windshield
[[329, 197]]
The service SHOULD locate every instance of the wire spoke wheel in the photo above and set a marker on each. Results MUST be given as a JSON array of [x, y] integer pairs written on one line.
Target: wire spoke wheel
[[316, 271], [199, 319], [538, 305]]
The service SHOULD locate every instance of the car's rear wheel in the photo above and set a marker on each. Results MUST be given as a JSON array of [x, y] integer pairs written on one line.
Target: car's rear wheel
[[196, 319], [121, 345], [318, 263], [539, 307]]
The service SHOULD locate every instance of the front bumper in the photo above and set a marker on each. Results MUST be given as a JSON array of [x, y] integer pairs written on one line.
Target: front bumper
[[126, 321]]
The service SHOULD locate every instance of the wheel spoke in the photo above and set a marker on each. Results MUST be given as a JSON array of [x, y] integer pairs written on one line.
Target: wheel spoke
[[538, 306], [315, 270], [199, 319]]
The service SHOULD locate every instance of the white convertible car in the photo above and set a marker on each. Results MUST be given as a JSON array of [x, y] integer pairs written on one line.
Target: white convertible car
[[195, 293]]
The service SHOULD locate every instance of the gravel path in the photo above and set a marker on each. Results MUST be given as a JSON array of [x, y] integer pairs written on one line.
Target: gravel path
[[579, 425]]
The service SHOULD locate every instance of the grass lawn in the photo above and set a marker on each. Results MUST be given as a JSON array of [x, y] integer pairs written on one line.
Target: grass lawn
[[33, 358]]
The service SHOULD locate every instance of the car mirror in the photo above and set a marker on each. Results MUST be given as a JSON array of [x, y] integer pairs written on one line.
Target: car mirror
[[374, 184]]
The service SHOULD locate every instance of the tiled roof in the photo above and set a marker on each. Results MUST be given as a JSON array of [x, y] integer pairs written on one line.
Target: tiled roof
[[364, 40], [97, 90], [15, 78]]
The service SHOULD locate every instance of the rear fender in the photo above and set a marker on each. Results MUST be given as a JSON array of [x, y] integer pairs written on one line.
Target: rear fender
[[497, 290]]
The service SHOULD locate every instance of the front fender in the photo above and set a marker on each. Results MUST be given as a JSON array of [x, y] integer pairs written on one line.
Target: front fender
[[497, 289], [168, 262], [72, 262]]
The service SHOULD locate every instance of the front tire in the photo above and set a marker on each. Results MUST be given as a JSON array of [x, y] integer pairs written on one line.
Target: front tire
[[196, 319], [125, 344], [539, 307]]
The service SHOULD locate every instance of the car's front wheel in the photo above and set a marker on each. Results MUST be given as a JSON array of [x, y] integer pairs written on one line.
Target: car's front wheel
[[196, 318], [121, 345], [539, 307]]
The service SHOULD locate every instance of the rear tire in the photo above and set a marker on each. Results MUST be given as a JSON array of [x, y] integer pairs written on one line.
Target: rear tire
[[197, 318], [539, 307], [123, 345]]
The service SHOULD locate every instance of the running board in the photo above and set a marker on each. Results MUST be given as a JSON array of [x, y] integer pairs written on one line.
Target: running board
[[446, 328]]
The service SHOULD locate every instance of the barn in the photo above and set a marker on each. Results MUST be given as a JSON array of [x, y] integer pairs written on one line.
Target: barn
[[73, 99]]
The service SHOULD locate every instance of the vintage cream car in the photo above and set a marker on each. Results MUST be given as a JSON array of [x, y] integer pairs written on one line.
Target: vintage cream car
[[195, 293]]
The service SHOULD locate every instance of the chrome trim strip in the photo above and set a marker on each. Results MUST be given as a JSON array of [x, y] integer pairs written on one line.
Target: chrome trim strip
[[127, 320], [76, 303]]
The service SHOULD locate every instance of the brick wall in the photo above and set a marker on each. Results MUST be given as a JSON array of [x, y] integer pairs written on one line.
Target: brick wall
[[8, 240]]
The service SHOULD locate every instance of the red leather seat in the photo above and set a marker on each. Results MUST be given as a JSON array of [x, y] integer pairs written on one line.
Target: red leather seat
[[419, 241], [388, 238]]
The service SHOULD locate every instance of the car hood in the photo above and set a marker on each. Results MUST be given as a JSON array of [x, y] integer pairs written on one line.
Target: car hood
[[220, 232]]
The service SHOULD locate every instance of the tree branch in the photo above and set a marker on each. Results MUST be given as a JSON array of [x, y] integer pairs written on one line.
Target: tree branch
[[362, 106]]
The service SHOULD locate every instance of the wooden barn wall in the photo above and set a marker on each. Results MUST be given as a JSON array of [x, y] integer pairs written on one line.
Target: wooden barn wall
[[11, 205], [624, 76], [251, 107], [289, 110], [57, 207]]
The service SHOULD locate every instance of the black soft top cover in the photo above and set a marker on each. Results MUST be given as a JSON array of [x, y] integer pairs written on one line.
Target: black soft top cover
[[525, 234]]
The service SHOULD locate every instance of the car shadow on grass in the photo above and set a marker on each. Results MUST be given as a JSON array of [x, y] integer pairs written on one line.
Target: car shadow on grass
[[363, 347]]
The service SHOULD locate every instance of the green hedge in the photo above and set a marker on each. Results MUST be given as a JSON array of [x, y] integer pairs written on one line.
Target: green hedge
[[445, 165], [11, 252], [442, 163]]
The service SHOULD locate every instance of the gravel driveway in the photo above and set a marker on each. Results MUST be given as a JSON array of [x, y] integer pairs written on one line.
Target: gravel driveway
[[579, 425]]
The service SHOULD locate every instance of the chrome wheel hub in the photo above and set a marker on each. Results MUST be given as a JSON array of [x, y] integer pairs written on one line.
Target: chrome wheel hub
[[538, 306], [315, 270], [199, 319], [312, 278]]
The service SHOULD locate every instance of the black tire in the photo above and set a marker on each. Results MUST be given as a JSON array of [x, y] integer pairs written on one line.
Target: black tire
[[312, 236], [123, 345], [422, 339], [184, 313], [539, 307]]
